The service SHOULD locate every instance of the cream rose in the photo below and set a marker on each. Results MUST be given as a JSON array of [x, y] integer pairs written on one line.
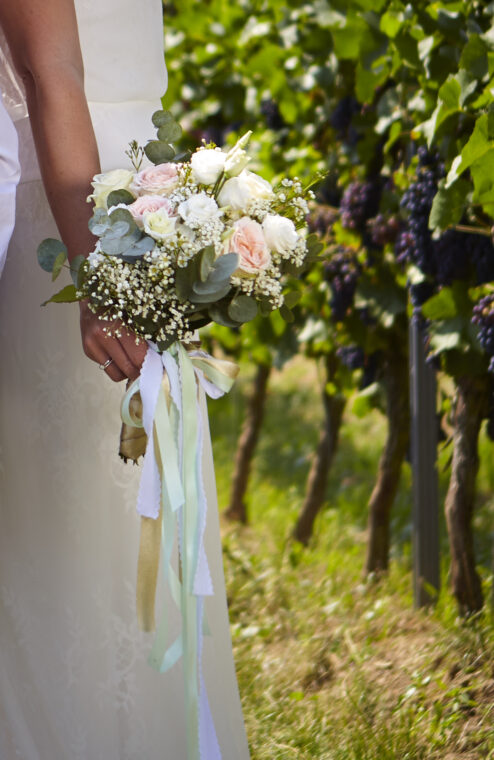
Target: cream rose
[[156, 180], [146, 204], [104, 184], [198, 209], [236, 158], [248, 241], [239, 192], [207, 165], [160, 225], [280, 233]]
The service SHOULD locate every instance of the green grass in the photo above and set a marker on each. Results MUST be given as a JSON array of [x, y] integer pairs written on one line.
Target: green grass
[[331, 666]]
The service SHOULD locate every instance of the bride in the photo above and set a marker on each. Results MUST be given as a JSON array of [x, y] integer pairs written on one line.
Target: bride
[[74, 682]]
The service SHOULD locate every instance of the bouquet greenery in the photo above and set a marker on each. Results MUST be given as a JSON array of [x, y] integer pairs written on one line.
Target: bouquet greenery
[[187, 241]]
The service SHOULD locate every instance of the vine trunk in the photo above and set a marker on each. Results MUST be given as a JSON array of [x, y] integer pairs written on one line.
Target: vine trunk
[[334, 405], [237, 509], [396, 383], [472, 395]]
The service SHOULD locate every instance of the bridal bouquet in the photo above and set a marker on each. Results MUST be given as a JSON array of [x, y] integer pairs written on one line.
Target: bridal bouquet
[[187, 242], [181, 243]]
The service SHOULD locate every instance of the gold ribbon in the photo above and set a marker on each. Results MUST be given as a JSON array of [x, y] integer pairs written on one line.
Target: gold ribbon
[[221, 373]]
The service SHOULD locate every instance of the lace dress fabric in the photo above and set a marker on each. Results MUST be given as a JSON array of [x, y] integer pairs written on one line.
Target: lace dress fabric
[[74, 681]]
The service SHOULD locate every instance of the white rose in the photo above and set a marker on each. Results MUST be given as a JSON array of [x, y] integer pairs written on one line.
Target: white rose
[[280, 233], [104, 184], [207, 165], [239, 192], [197, 209], [159, 225]]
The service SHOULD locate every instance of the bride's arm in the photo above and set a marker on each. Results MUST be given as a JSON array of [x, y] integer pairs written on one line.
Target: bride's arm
[[44, 42]]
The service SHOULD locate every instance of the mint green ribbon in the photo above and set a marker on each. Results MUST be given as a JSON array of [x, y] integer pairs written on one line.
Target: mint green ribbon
[[178, 455]]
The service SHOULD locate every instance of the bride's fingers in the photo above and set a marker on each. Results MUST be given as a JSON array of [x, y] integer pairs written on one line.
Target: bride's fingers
[[115, 350], [101, 355], [135, 351]]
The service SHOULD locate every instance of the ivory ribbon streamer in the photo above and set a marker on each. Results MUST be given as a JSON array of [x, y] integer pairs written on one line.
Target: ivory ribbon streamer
[[172, 501]]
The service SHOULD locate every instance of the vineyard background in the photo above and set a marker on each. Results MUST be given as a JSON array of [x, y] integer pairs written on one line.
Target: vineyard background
[[392, 104]]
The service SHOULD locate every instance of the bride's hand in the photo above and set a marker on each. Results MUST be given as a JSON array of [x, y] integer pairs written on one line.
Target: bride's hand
[[126, 355]]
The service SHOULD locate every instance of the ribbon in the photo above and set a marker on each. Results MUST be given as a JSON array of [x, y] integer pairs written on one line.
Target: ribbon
[[165, 402]]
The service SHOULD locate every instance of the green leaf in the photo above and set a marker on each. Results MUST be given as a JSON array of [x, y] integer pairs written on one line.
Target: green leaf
[[219, 314], [58, 265], [367, 400], [66, 295], [160, 118], [48, 252], [159, 152], [170, 132], [209, 295], [75, 266], [185, 278], [119, 196], [448, 104], [99, 222], [446, 336], [477, 146], [448, 205], [242, 308], [440, 306], [286, 313], [391, 22], [474, 57], [292, 298]]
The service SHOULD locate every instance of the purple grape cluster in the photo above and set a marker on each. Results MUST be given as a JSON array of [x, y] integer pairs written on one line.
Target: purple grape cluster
[[415, 245], [342, 272], [383, 229], [359, 203], [483, 258], [483, 317], [452, 257], [271, 112], [321, 220], [352, 357]]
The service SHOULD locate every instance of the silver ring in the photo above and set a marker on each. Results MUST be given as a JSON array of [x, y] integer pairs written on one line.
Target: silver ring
[[106, 364]]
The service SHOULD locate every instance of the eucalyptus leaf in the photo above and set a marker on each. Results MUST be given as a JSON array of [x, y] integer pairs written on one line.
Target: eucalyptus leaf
[[183, 284], [224, 267], [78, 270], [209, 296], [219, 314], [170, 132], [119, 196], [48, 252], [242, 308], [160, 118], [99, 222], [159, 152]]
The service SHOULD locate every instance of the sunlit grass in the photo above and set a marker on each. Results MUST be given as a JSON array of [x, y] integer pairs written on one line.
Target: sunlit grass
[[331, 666]]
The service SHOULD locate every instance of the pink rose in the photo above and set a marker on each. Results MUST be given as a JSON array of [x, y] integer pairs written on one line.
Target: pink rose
[[156, 180], [248, 241], [145, 204]]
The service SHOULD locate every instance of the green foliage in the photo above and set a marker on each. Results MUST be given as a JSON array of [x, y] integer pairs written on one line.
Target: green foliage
[[169, 131], [409, 73], [49, 252], [331, 667]]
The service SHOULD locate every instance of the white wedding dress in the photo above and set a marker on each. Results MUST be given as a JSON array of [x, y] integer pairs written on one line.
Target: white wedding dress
[[74, 681]]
